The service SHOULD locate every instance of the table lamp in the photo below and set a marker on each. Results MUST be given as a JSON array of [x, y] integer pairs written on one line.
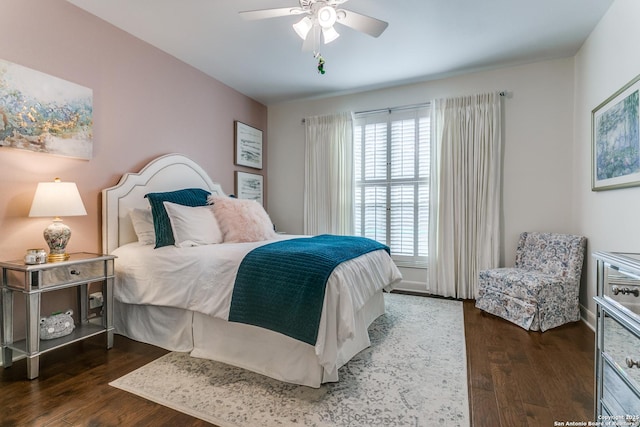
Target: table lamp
[[56, 199]]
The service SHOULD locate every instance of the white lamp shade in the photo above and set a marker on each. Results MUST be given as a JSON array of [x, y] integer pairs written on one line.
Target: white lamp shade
[[329, 34], [303, 26], [54, 199]]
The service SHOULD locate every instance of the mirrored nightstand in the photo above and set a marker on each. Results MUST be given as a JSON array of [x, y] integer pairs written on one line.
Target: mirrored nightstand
[[32, 281]]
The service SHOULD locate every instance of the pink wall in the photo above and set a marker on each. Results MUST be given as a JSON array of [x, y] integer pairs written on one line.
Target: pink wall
[[146, 103]]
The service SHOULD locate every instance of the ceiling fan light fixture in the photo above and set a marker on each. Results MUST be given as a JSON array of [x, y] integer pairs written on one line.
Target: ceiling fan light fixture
[[329, 34], [326, 16], [303, 27]]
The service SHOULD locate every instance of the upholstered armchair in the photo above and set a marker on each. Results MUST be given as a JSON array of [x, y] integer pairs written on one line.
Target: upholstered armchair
[[541, 291]]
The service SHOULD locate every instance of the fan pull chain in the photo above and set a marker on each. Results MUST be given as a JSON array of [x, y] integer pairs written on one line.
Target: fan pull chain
[[320, 59]]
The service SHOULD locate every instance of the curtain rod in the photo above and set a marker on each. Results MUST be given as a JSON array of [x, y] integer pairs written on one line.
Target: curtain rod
[[503, 93], [408, 107], [390, 109]]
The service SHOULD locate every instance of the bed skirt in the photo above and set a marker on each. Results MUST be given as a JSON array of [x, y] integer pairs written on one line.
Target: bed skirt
[[246, 346], [166, 327]]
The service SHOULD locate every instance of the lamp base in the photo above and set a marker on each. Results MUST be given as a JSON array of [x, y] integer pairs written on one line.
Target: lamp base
[[57, 257], [57, 236]]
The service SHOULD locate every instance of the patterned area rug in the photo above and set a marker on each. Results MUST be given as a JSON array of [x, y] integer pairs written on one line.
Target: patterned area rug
[[414, 374]]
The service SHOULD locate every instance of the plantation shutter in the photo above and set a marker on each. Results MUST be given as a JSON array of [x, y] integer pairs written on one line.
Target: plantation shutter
[[392, 166]]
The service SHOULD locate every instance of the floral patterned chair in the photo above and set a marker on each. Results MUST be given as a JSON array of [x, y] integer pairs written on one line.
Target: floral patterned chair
[[541, 291]]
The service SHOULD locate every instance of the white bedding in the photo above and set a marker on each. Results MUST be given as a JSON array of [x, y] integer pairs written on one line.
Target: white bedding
[[201, 279], [170, 298]]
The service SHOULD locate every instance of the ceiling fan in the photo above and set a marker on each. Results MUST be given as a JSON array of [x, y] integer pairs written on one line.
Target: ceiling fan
[[319, 19]]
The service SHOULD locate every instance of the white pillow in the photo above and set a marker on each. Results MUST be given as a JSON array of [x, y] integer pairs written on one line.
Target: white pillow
[[142, 221], [242, 220], [193, 226]]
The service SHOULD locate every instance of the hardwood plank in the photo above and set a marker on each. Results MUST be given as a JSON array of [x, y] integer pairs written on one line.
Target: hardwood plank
[[508, 397], [538, 415], [483, 404], [484, 408]]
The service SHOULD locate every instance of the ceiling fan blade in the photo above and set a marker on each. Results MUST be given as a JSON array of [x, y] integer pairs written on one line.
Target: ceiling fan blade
[[366, 24], [252, 15]]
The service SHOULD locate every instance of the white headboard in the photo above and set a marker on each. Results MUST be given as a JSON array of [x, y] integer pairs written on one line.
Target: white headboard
[[166, 173]]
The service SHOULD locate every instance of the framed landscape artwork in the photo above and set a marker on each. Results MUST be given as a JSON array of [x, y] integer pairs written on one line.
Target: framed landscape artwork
[[43, 113], [615, 148], [250, 186], [248, 146]]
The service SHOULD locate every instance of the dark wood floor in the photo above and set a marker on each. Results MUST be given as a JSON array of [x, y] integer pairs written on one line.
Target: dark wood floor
[[521, 378], [516, 378]]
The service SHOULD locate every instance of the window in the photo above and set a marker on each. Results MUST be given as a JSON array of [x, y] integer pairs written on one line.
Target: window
[[392, 152]]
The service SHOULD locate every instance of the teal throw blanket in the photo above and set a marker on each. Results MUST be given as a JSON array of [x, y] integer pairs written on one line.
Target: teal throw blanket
[[280, 286]]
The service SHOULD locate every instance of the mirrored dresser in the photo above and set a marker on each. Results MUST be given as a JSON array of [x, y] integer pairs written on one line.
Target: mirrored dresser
[[617, 357]]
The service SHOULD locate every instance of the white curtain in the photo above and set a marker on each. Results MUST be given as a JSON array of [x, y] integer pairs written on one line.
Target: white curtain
[[465, 211], [328, 187]]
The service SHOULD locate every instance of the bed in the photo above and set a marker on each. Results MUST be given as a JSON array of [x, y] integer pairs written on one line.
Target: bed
[[178, 298]]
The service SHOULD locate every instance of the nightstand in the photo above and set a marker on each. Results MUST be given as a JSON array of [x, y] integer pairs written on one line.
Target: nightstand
[[32, 281]]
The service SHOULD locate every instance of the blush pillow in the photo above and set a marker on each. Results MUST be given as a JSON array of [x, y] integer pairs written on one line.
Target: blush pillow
[[193, 226], [242, 220]]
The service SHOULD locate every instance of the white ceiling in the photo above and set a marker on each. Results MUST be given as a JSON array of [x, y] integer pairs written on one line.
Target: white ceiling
[[426, 39]]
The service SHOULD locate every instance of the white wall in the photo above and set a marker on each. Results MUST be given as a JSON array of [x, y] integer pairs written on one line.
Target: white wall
[[538, 135], [606, 62]]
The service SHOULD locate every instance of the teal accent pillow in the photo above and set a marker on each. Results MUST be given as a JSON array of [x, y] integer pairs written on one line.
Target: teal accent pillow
[[161, 224]]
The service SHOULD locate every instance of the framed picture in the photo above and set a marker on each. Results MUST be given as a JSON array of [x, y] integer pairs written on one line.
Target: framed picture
[[248, 146], [43, 113], [615, 135], [250, 186]]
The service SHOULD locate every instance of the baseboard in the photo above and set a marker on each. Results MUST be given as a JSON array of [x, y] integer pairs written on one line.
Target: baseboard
[[411, 286], [588, 317]]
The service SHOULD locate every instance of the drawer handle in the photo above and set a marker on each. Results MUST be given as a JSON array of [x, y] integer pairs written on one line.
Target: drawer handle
[[75, 272], [625, 291], [631, 363]]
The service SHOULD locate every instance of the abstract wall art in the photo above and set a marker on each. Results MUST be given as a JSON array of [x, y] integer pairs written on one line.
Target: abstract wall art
[[248, 146], [43, 113], [250, 186]]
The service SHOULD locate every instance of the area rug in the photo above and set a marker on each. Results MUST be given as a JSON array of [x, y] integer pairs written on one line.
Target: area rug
[[414, 374]]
